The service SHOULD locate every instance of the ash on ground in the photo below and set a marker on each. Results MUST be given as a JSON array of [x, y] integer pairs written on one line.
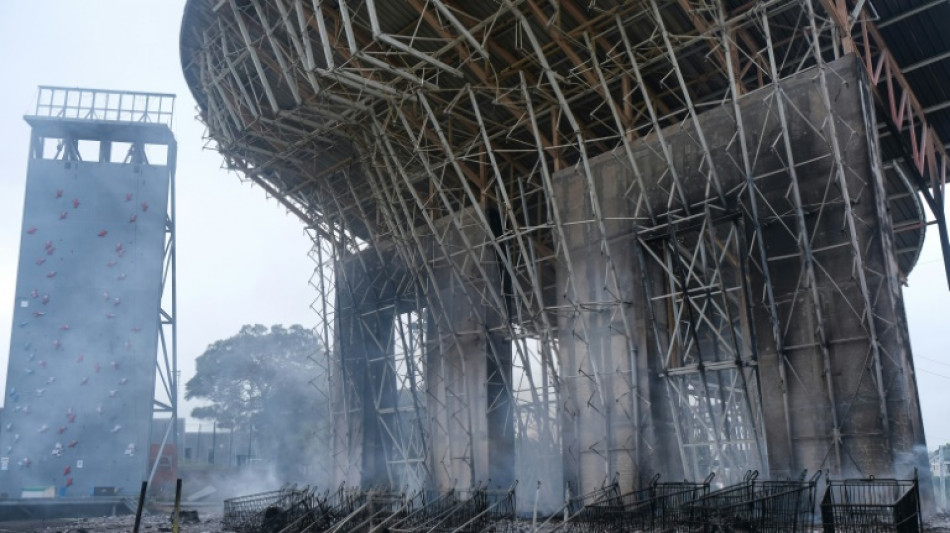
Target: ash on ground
[[209, 522]]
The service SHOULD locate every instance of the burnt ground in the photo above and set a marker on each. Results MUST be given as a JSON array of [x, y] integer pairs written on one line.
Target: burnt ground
[[210, 522]]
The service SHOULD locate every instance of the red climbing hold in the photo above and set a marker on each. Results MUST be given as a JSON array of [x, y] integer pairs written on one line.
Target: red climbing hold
[[72, 444], [110, 264], [128, 197], [34, 294], [66, 471], [50, 250], [51, 274], [103, 233], [32, 230], [80, 358], [64, 327], [133, 218], [71, 417], [48, 245], [61, 430], [40, 261], [144, 206], [63, 215], [75, 203], [59, 193], [69, 481]]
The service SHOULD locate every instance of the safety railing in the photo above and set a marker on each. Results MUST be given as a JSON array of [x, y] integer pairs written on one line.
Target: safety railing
[[98, 104]]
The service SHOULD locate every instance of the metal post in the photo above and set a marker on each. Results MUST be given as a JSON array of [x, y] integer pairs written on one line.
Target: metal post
[[141, 505], [175, 513]]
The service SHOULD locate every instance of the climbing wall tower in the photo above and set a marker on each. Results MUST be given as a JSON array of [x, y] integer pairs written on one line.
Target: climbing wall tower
[[92, 313]]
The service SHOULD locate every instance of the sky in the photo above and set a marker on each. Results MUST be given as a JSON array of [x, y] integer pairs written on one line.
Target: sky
[[241, 258]]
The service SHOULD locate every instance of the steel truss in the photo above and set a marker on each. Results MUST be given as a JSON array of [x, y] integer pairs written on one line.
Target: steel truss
[[450, 163]]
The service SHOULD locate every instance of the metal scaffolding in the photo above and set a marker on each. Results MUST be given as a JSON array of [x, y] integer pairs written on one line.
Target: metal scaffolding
[[566, 242]]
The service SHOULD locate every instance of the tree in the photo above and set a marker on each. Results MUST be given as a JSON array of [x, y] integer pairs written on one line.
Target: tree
[[266, 381]]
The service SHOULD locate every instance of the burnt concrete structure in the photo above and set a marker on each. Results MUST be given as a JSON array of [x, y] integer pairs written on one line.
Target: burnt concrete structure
[[90, 321], [456, 356], [575, 243], [682, 292]]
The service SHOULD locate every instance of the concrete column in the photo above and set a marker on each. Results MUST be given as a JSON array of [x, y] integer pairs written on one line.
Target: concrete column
[[856, 414], [365, 386], [610, 410], [847, 402], [468, 360]]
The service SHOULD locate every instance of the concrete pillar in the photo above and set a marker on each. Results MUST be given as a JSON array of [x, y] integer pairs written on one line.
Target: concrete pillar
[[365, 386], [837, 388], [468, 359], [611, 420], [852, 403]]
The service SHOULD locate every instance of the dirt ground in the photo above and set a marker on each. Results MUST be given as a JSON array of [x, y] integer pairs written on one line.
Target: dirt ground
[[209, 522]]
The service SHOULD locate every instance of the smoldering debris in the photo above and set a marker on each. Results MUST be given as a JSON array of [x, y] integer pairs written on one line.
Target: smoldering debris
[[749, 505], [295, 510], [186, 517], [781, 505]]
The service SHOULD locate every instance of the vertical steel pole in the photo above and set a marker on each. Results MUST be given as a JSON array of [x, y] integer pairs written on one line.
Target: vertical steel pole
[[175, 513], [138, 510]]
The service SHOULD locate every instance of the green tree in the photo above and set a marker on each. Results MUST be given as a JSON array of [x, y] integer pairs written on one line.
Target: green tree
[[267, 381]]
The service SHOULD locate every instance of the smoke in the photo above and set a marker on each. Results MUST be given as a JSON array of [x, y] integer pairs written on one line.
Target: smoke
[[233, 483], [539, 469]]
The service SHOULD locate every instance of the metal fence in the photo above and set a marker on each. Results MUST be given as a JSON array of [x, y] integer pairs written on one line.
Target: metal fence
[[769, 506], [471, 511], [667, 505], [293, 510], [871, 505], [267, 511], [853, 505], [658, 507]]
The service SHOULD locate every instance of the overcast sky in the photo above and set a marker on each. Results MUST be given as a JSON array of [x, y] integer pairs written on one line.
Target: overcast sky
[[241, 258]]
